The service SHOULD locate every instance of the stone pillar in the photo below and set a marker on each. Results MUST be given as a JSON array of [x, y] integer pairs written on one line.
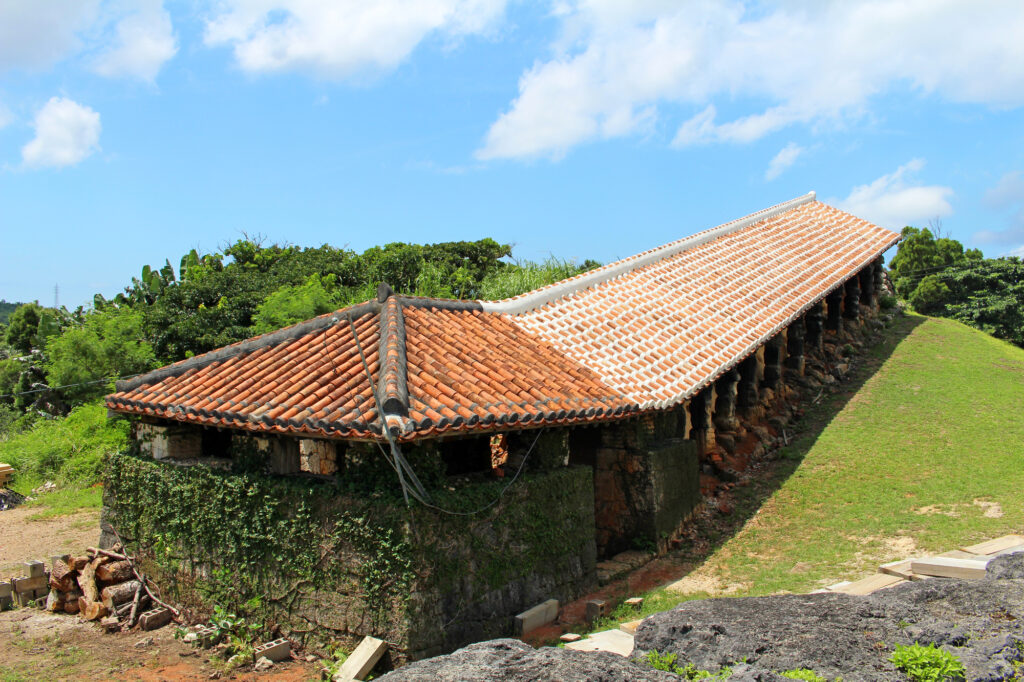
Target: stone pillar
[[834, 311], [683, 419], [795, 347], [748, 393], [169, 442], [725, 404], [814, 321], [851, 299], [866, 279], [317, 457], [878, 274], [702, 429], [774, 354]]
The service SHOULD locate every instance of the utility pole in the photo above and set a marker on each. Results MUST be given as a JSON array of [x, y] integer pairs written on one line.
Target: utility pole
[[56, 296]]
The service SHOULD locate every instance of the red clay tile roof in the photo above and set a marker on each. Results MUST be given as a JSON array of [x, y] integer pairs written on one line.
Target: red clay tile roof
[[640, 334]]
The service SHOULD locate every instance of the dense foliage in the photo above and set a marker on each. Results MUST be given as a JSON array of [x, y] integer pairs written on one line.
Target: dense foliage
[[68, 450], [52, 360], [6, 308], [938, 277]]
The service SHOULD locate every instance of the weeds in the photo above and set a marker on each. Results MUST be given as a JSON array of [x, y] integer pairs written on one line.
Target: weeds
[[927, 663]]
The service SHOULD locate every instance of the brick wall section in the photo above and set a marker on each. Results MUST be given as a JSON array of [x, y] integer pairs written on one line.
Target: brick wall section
[[645, 481]]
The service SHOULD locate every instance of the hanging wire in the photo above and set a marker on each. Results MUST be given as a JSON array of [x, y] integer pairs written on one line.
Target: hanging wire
[[400, 461]]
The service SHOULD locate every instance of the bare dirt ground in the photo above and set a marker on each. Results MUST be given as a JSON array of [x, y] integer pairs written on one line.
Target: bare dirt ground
[[35, 645], [22, 539]]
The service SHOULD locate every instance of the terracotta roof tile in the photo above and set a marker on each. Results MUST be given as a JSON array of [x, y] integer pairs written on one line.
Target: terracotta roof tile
[[635, 335]]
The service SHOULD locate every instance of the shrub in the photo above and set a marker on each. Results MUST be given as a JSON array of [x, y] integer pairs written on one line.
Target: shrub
[[667, 662], [887, 302], [927, 663], [804, 674], [68, 449], [930, 296]]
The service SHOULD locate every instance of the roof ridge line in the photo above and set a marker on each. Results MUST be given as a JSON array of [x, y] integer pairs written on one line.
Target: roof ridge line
[[552, 292], [392, 386]]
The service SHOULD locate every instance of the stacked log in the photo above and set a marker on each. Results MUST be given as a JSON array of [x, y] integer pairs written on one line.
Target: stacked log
[[102, 584]]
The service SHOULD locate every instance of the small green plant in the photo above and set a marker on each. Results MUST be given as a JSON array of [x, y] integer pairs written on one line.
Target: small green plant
[[667, 663], [847, 350], [660, 661], [927, 663], [232, 627], [804, 674], [887, 302]]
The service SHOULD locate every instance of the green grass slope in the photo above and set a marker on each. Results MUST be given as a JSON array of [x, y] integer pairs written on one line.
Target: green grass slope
[[926, 456], [922, 452]]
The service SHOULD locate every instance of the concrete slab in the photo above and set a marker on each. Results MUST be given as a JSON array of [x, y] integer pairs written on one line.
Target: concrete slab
[[952, 567], [630, 627], [872, 583], [900, 569], [996, 545], [361, 661], [614, 641], [539, 615], [837, 586]]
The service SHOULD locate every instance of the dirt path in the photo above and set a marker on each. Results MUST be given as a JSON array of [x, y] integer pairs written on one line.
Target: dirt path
[[35, 645], [22, 539]]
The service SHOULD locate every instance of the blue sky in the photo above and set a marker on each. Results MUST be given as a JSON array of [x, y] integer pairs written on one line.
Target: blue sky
[[134, 130]]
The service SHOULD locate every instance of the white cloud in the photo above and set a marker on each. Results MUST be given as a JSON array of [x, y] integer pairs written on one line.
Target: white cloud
[[811, 63], [1009, 191], [66, 133], [36, 34], [145, 40], [783, 160], [340, 38], [895, 200], [1006, 196]]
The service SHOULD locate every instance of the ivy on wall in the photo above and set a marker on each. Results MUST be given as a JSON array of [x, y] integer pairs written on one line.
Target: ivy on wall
[[318, 556]]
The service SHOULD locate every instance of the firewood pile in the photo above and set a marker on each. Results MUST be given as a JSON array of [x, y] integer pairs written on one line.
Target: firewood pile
[[105, 585]]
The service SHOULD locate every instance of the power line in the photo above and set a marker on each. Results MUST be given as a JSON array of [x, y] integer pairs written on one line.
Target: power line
[[988, 264]]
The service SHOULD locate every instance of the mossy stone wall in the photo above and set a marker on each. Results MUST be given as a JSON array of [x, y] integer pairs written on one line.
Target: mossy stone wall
[[324, 562]]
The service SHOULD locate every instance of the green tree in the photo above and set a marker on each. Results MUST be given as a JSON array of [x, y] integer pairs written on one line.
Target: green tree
[[108, 345], [23, 327], [10, 372], [292, 304], [930, 296]]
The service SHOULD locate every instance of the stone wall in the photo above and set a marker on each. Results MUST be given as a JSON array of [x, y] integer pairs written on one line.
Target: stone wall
[[645, 480], [328, 564]]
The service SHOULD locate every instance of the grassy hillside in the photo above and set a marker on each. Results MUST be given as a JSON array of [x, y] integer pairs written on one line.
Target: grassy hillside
[[922, 452]]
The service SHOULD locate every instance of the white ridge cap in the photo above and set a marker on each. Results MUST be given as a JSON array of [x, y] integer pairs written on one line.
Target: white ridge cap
[[552, 292]]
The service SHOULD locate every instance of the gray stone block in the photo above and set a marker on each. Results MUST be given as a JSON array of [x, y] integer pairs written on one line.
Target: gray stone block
[[277, 650], [539, 615], [34, 569], [156, 618]]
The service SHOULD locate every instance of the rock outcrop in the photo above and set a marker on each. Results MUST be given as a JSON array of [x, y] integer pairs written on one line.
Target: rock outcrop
[[835, 635], [509, 659]]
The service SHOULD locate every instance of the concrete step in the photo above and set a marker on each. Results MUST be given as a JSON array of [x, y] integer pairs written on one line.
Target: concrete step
[[614, 641]]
